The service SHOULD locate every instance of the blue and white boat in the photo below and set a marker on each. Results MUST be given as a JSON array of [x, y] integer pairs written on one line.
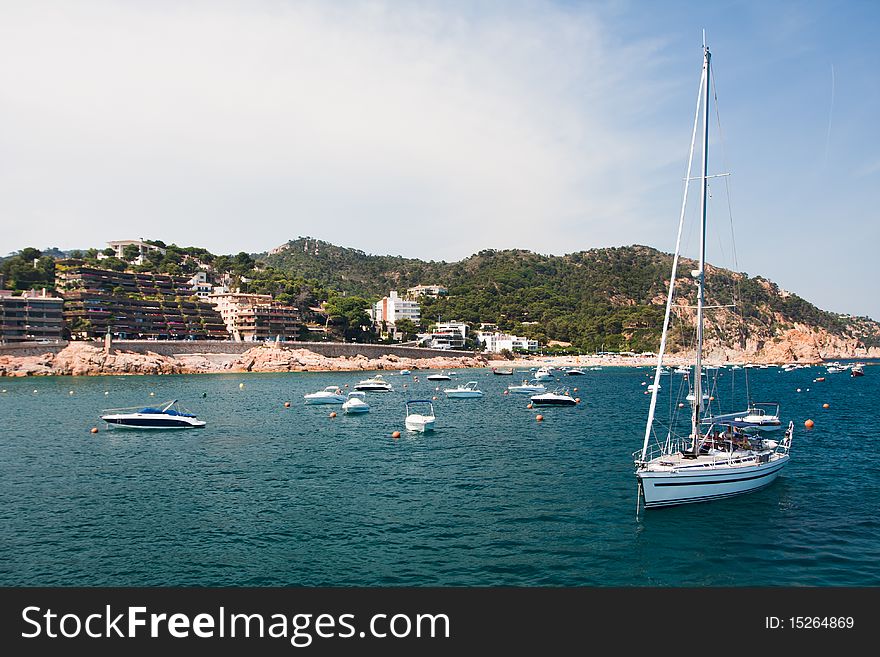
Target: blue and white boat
[[170, 415]]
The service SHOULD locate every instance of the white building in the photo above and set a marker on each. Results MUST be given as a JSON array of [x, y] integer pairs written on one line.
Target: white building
[[200, 285], [427, 290], [449, 334], [497, 342], [392, 308], [143, 247]]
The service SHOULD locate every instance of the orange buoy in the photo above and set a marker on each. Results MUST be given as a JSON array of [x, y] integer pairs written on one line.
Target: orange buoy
[[395, 435], [575, 389], [711, 399], [539, 418], [821, 378], [681, 404], [94, 430], [506, 392], [808, 424], [577, 400], [286, 404], [333, 414], [825, 406], [434, 397], [529, 406]]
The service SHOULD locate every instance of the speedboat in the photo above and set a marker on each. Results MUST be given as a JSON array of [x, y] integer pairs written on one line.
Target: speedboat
[[423, 421], [528, 388], [170, 415], [439, 377], [374, 384], [543, 374], [559, 397], [759, 416], [504, 372], [574, 371], [467, 390], [857, 370], [356, 403], [329, 395], [404, 372]]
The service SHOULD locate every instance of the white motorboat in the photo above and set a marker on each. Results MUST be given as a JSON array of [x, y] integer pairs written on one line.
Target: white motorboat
[[680, 465], [559, 397], [329, 395], [528, 388], [439, 377], [544, 374], [420, 421], [169, 415], [374, 384], [574, 371], [759, 416], [405, 372], [356, 403], [465, 391]]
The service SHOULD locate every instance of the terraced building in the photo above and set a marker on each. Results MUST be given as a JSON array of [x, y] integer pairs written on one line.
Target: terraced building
[[132, 305]]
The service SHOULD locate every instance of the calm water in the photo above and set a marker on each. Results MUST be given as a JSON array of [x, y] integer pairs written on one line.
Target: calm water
[[268, 495]]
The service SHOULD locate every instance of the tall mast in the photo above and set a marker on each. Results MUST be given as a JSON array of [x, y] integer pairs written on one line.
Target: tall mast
[[701, 272]]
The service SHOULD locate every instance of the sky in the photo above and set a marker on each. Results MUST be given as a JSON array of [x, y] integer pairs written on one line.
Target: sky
[[437, 129]]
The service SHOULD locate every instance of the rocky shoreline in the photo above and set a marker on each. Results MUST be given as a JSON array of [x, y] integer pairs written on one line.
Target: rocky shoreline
[[84, 359], [88, 359]]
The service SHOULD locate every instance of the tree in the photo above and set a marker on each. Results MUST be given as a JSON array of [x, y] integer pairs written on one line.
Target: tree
[[406, 327], [130, 252]]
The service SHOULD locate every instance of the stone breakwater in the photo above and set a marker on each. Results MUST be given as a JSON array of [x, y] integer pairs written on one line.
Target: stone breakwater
[[83, 359]]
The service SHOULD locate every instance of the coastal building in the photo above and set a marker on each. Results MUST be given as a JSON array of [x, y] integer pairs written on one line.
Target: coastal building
[[448, 335], [200, 285], [393, 308], [497, 342], [143, 247], [131, 305], [30, 316], [427, 290], [251, 317]]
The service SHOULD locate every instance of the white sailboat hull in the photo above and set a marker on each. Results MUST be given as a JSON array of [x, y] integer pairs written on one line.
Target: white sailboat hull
[[704, 480]]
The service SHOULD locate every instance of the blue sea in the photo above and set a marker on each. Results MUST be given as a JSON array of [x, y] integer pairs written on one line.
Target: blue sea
[[268, 495]]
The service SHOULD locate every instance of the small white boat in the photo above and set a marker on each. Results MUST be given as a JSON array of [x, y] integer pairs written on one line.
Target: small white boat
[[439, 377], [405, 372], [759, 416], [467, 390], [170, 415], [329, 395], [374, 384], [356, 403], [423, 421], [559, 397], [528, 388], [574, 371], [544, 374]]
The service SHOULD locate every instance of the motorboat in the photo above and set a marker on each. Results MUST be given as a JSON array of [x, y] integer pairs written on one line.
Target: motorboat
[[544, 374], [439, 377], [759, 416], [356, 402], [405, 372], [169, 415], [528, 387], [465, 391], [559, 397], [503, 372], [374, 384], [574, 371], [420, 421], [857, 370], [329, 395]]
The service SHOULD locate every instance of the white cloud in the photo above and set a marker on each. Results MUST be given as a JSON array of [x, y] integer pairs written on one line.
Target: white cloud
[[430, 129]]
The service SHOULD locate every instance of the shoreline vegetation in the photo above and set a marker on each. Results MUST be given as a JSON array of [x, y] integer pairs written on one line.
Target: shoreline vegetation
[[88, 359]]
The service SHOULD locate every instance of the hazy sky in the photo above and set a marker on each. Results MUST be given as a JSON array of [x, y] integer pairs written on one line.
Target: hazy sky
[[437, 129]]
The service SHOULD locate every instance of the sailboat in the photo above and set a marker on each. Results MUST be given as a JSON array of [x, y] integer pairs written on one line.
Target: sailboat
[[721, 461]]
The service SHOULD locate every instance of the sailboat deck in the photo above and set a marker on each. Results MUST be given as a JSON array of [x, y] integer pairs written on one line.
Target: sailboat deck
[[738, 459]]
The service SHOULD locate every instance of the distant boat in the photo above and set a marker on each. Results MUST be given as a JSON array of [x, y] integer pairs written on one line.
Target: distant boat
[[504, 372], [574, 371], [329, 395], [439, 377], [169, 415], [404, 372], [857, 370], [528, 387], [559, 397], [544, 374], [356, 403], [374, 384], [466, 391], [420, 421], [759, 416]]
